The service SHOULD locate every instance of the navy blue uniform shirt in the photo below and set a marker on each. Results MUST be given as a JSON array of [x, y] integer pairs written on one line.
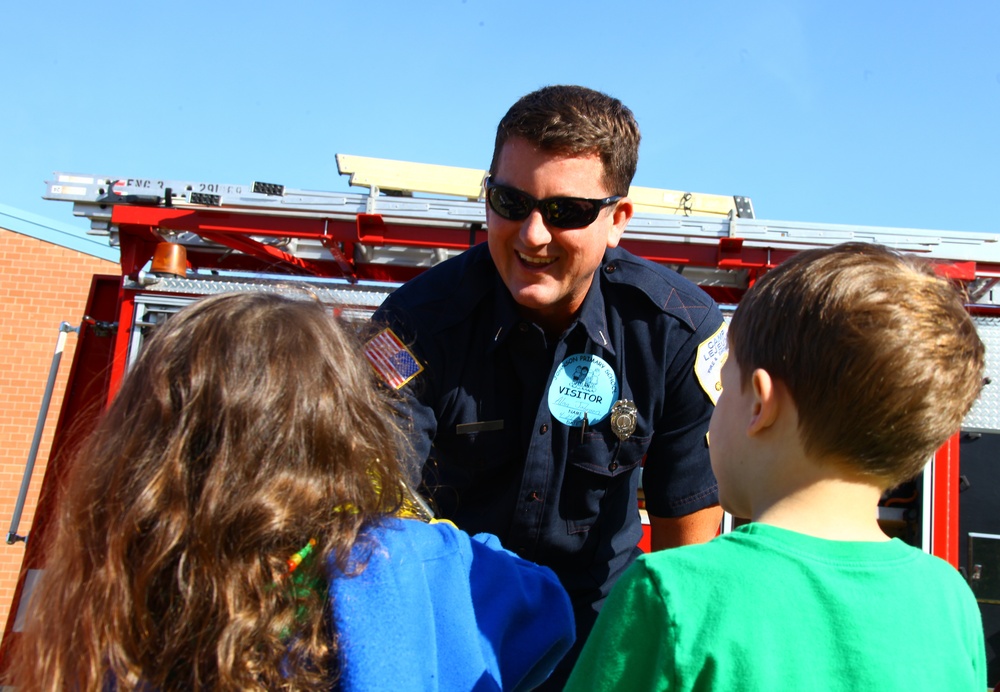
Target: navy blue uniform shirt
[[493, 457]]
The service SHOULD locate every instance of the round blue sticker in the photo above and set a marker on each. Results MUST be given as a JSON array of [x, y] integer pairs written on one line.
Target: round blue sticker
[[582, 384]]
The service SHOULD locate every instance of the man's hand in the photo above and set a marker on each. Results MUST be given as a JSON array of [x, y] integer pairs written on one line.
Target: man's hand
[[698, 527]]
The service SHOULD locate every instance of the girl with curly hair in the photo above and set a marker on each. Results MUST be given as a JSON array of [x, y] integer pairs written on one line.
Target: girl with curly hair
[[233, 524]]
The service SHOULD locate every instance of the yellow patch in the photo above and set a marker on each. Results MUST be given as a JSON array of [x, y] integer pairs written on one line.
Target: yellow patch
[[711, 356]]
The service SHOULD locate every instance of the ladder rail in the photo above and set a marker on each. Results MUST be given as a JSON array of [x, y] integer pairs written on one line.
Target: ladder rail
[[427, 221]]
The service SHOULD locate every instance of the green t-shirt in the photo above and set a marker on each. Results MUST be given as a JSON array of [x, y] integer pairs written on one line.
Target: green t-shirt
[[764, 609]]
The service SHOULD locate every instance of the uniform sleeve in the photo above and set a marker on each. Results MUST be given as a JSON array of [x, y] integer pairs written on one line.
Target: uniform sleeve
[[677, 475], [630, 647], [411, 401], [523, 612], [419, 425]]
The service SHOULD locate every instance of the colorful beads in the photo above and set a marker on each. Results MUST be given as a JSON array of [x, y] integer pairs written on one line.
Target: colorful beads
[[295, 560]]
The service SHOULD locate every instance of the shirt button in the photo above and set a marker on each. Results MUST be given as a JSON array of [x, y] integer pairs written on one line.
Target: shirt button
[[612, 466], [544, 429], [610, 269], [522, 327]]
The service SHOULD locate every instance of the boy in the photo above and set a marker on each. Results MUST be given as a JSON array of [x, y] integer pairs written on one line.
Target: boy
[[848, 367]]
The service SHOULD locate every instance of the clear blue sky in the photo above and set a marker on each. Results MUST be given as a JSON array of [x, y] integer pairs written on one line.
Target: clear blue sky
[[864, 112]]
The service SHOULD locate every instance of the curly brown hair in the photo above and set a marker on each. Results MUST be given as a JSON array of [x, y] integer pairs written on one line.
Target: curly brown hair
[[248, 426]]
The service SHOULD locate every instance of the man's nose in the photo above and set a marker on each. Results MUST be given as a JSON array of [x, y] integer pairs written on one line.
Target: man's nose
[[534, 232]]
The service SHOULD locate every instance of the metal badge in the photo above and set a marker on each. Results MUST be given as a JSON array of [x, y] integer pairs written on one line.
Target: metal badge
[[623, 415]]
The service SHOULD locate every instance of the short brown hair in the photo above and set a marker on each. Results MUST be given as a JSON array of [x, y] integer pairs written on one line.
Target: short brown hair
[[878, 353], [574, 120]]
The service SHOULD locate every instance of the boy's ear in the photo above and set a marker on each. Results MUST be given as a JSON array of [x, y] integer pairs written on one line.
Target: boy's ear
[[764, 407]]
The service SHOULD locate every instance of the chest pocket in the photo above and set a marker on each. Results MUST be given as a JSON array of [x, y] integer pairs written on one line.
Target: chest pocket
[[595, 472], [468, 459]]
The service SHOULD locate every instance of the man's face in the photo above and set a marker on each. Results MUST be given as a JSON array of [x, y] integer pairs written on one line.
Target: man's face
[[549, 270], [727, 438]]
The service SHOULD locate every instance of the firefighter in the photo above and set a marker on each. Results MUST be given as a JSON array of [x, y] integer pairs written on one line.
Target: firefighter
[[542, 368]]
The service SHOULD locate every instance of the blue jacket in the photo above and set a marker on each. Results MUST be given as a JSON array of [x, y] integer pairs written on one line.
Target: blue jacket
[[437, 610]]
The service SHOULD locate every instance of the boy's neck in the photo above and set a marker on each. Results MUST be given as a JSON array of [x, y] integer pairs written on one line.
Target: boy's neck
[[829, 507]]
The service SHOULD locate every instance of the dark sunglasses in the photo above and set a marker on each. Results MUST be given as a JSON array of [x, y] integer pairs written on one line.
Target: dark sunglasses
[[558, 212]]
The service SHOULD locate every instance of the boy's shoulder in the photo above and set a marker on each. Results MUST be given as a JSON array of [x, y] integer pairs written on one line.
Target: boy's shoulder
[[760, 551], [762, 547]]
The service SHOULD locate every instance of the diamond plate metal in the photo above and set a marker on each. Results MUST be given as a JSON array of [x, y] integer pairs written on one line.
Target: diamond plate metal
[[334, 292], [985, 413], [159, 297]]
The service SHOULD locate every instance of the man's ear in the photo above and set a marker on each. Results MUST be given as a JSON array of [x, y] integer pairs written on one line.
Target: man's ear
[[620, 217], [765, 405]]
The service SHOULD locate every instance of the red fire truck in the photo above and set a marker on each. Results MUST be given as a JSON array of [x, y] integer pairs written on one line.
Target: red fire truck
[[180, 240]]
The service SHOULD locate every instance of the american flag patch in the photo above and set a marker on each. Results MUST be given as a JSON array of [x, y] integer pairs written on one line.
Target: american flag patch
[[391, 359]]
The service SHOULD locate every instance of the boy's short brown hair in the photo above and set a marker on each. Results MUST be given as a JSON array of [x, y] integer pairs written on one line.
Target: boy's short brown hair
[[575, 120], [878, 353]]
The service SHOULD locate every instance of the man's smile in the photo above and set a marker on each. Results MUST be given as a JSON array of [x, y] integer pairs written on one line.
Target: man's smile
[[535, 261]]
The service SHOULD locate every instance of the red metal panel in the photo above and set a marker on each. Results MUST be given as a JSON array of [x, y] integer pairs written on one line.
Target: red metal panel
[[137, 245], [86, 393], [645, 544], [944, 502], [367, 228], [266, 253], [119, 359], [195, 221], [964, 271]]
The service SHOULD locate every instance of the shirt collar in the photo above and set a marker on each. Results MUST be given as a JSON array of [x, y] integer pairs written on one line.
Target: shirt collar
[[505, 315], [592, 317]]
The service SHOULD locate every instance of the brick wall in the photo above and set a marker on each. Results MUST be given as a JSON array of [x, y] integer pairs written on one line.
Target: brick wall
[[41, 286]]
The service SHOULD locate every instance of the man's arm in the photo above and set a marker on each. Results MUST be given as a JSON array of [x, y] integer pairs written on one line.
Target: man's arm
[[697, 527], [680, 489], [416, 417]]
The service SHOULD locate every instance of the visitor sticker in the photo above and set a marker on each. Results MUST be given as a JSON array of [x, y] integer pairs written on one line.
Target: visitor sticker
[[582, 384]]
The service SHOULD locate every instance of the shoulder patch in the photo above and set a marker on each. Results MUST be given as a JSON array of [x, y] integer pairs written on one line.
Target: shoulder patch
[[393, 362], [711, 356]]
